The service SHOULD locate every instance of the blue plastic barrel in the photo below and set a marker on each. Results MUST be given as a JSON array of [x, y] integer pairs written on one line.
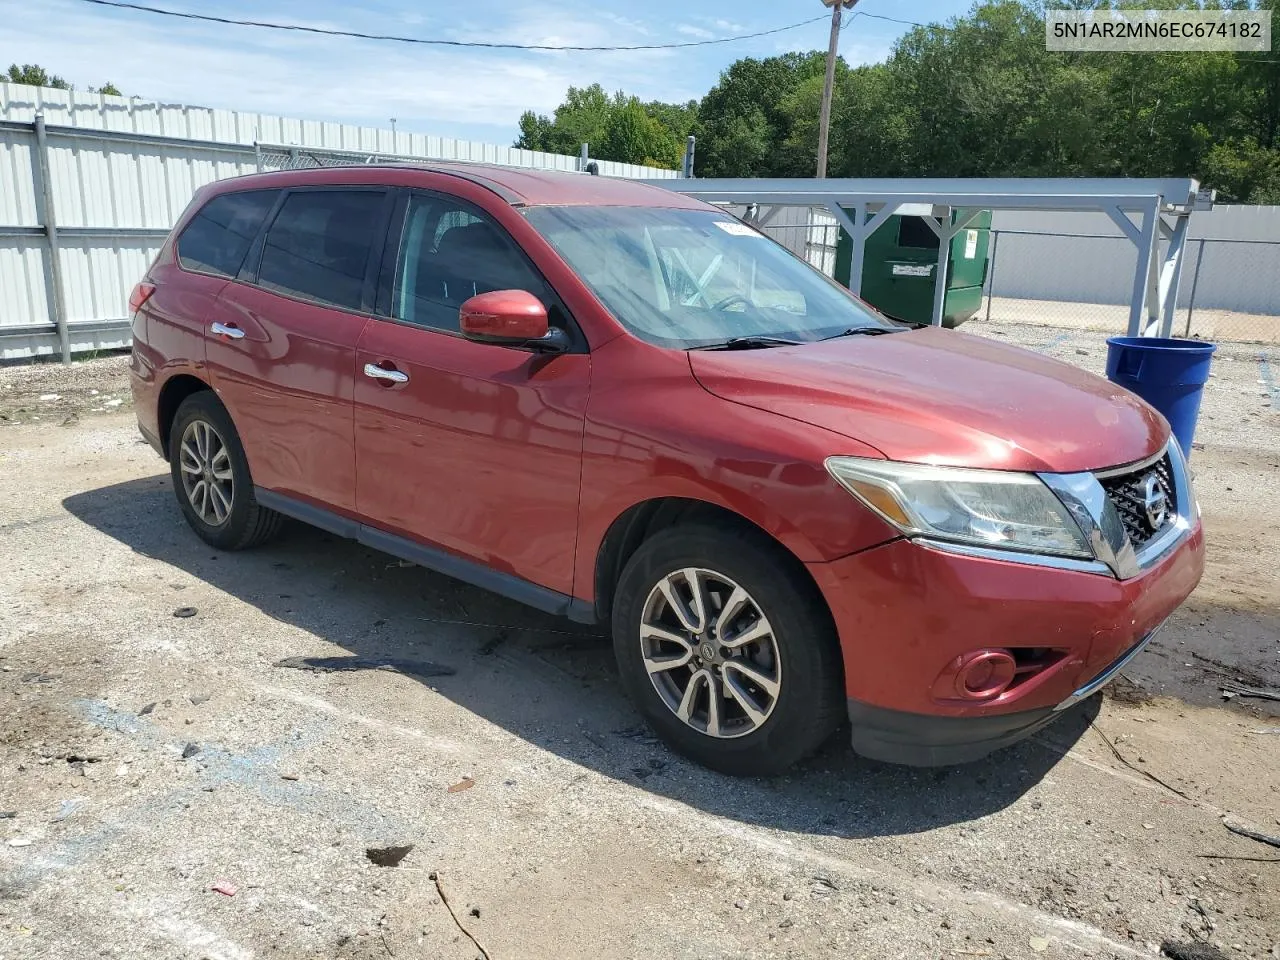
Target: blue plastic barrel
[[1168, 373]]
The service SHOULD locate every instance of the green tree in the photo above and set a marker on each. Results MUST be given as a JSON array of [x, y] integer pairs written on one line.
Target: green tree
[[582, 118], [978, 96], [616, 127], [35, 76], [743, 121], [108, 88], [1243, 171], [677, 118], [631, 135], [535, 131]]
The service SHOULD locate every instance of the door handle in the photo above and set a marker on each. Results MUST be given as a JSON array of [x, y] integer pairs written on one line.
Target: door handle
[[378, 373], [222, 330]]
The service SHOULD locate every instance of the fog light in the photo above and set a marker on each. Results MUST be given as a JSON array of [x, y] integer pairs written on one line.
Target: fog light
[[984, 674]]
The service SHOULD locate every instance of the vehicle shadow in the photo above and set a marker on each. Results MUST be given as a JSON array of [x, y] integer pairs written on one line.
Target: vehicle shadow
[[551, 682]]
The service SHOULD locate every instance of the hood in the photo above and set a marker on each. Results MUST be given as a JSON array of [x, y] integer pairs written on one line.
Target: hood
[[937, 396]]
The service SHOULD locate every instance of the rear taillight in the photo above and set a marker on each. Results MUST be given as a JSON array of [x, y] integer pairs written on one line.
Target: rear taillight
[[141, 294]]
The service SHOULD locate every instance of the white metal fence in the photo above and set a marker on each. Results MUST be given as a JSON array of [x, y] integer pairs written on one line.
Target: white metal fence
[[88, 195]]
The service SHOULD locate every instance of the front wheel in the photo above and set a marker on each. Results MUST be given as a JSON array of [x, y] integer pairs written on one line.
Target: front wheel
[[727, 648]]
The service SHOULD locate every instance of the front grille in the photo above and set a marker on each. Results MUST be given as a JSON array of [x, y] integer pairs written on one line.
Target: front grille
[[1128, 492]]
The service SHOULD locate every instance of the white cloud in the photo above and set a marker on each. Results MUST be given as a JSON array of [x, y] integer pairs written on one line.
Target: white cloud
[[429, 89], [475, 93]]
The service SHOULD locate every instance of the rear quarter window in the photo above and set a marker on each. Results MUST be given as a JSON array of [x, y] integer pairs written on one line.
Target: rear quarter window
[[220, 235]]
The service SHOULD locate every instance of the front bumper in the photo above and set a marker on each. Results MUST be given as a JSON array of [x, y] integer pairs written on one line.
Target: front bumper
[[919, 740], [904, 611]]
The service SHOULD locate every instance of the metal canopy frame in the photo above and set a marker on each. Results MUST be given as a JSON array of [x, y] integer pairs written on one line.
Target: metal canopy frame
[[1146, 211]]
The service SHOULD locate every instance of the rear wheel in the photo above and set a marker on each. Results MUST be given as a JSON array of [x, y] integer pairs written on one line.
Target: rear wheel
[[211, 477], [727, 649]]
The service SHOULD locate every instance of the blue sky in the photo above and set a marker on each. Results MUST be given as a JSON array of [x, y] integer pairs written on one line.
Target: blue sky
[[475, 94]]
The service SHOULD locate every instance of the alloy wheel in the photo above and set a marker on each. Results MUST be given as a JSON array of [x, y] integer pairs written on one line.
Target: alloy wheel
[[207, 477], [710, 653]]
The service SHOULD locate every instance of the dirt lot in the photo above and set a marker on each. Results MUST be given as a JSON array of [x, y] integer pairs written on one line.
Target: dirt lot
[[503, 752]]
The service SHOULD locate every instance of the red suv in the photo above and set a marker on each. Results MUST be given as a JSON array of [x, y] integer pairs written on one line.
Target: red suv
[[619, 404]]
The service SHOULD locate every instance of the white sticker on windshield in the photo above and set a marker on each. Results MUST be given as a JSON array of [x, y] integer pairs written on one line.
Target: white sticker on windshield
[[736, 229]]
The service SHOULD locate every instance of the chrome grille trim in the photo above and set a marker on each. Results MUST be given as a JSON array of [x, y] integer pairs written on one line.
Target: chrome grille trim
[[1124, 491], [1090, 505]]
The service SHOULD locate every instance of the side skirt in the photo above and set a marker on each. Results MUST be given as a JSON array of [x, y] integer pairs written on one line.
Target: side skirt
[[433, 558]]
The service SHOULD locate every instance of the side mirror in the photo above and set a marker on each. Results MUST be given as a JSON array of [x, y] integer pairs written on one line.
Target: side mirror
[[511, 318]]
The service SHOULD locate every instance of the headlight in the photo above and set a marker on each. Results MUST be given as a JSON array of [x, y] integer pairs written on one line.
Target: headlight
[[989, 508]]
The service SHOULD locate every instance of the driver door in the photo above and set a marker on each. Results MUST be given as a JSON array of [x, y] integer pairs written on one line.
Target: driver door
[[471, 447]]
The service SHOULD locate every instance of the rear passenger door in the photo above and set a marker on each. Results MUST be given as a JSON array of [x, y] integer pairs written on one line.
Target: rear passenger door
[[281, 342]]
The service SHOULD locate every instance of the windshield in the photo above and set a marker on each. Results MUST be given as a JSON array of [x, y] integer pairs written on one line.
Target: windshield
[[697, 278]]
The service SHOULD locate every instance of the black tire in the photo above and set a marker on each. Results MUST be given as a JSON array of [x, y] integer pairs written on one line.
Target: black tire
[[810, 703], [247, 523]]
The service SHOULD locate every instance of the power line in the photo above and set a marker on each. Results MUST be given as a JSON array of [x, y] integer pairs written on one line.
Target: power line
[[209, 18], [880, 16]]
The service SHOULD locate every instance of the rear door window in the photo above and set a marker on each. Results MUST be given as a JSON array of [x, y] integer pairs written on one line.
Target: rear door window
[[319, 244], [218, 237]]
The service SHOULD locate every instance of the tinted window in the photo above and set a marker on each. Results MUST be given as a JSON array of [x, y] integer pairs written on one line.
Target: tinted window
[[220, 235], [448, 254], [914, 232], [318, 245]]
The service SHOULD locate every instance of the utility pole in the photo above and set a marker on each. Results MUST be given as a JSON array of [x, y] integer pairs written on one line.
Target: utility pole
[[824, 119]]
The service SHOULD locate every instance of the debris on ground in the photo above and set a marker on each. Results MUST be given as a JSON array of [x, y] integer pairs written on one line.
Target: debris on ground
[[8, 814], [641, 735], [225, 888], [415, 668], [147, 709], [1038, 944], [435, 878], [387, 856], [198, 698], [190, 750], [1191, 951], [67, 808], [1124, 690], [1231, 689], [1251, 834], [466, 783], [492, 644], [20, 842], [185, 612]]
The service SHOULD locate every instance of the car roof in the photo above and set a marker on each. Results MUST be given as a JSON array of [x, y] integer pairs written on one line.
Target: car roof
[[518, 186]]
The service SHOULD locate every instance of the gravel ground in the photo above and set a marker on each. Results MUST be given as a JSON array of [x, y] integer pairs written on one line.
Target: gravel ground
[[541, 815]]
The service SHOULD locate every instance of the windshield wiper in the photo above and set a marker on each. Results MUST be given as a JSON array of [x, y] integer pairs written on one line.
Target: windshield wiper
[[755, 342], [864, 332]]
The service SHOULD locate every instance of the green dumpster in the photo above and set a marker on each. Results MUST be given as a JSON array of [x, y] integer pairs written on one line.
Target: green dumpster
[[901, 263]]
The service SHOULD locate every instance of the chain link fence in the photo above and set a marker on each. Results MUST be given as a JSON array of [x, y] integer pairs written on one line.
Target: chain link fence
[[1230, 289], [302, 158]]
